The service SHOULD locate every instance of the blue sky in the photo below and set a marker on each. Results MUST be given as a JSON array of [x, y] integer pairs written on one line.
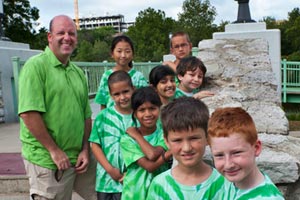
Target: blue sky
[[226, 9]]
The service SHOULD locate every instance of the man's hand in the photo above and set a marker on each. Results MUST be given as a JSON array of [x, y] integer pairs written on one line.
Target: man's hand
[[82, 162], [60, 158]]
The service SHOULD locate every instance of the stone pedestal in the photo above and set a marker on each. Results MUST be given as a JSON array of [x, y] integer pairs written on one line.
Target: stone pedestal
[[257, 30], [9, 49]]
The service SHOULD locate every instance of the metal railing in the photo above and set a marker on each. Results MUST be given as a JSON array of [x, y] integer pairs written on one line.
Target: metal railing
[[93, 72], [290, 81]]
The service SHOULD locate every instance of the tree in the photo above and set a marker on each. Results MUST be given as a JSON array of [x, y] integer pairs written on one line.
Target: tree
[[151, 35], [197, 20], [19, 20]]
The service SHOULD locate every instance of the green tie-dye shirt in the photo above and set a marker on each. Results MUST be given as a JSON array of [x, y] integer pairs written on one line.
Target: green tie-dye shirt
[[109, 126], [137, 179], [165, 187], [264, 191]]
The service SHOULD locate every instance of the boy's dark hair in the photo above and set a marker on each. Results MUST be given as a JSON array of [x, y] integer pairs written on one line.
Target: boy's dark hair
[[183, 114], [232, 120], [119, 76], [179, 33], [143, 95], [190, 63], [158, 73], [122, 38]]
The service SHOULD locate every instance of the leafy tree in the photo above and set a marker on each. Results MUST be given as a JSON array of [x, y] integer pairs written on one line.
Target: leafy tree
[[197, 19], [40, 39], [151, 34], [19, 20]]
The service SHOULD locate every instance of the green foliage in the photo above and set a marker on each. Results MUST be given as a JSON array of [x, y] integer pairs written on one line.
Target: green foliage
[[150, 35], [94, 45], [19, 20], [197, 20]]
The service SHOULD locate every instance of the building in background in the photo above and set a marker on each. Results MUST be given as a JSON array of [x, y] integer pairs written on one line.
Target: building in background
[[115, 21]]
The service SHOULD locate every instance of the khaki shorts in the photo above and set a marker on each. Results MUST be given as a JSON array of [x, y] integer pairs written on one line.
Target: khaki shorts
[[85, 183], [42, 182]]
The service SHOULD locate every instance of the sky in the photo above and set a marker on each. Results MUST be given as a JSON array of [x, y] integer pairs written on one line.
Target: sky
[[226, 9]]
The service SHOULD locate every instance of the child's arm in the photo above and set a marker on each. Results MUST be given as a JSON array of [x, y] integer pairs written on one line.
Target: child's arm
[[203, 94], [101, 158], [151, 166], [151, 152]]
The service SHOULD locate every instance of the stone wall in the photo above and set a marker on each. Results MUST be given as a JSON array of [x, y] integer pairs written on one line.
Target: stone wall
[[240, 74]]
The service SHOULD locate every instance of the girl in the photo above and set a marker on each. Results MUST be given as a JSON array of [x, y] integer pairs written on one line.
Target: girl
[[162, 78], [143, 149], [122, 52]]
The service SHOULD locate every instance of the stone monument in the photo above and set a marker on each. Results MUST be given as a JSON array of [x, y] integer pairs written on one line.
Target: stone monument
[[245, 27], [9, 49]]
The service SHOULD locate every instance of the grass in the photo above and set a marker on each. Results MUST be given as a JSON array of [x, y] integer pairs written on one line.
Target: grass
[[292, 112]]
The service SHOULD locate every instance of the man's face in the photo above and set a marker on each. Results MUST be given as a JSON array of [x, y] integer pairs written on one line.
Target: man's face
[[62, 38], [181, 47]]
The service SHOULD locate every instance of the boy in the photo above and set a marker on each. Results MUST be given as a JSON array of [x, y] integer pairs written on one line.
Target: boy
[[191, 73], [109, 126], [234, 144], [184, 123], [180, 46]]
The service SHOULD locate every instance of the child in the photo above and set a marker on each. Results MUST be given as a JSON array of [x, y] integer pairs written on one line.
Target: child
[[122, 52], [184, 123], [190, 73], [143, 163], [234, 144], [109, 127], [162, 78], [180, 46]]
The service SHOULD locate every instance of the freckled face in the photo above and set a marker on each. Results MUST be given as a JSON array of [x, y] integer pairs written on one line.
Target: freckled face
[[234, 157]]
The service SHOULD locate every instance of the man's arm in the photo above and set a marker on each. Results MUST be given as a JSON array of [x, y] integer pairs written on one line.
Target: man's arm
[[35, 124], [83, 157]]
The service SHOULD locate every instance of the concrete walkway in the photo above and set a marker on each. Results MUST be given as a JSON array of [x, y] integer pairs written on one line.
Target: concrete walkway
[[14, 182]]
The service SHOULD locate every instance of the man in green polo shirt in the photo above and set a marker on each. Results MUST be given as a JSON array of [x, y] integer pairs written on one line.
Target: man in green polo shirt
[[55, 115]]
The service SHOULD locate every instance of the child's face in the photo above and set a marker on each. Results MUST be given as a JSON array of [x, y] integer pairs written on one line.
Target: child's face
[[234, 158], [187, 147], [181, 48], [147, 114], [166, 87], [191, 80], [121, 93], [122, 54]]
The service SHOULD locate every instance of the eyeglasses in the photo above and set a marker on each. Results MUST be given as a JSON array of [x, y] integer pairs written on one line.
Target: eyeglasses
[[183, 45]]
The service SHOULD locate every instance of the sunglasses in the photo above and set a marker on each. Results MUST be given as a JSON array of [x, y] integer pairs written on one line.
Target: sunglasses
[[59, 174]]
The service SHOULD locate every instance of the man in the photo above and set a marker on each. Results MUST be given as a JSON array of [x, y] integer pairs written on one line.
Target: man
[[55, 115], [180, 46]]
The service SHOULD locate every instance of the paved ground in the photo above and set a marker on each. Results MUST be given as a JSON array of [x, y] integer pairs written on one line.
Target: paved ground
[[11, 163]]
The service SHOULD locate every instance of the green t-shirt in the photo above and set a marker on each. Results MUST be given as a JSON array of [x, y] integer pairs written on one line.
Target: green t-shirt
[[103, 96], [165, 187], [137, 179], [60, 94], [180, 93], [264, 191], [108, 129]]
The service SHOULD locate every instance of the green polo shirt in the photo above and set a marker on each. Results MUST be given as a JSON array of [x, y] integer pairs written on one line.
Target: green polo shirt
[[60, 94]]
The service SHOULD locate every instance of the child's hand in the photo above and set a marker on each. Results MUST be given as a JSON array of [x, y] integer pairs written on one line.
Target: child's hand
[[115, 174], [121, 179], [203, 94]]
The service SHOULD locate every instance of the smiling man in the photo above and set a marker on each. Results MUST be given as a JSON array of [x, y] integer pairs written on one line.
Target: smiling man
[[55, 115]]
